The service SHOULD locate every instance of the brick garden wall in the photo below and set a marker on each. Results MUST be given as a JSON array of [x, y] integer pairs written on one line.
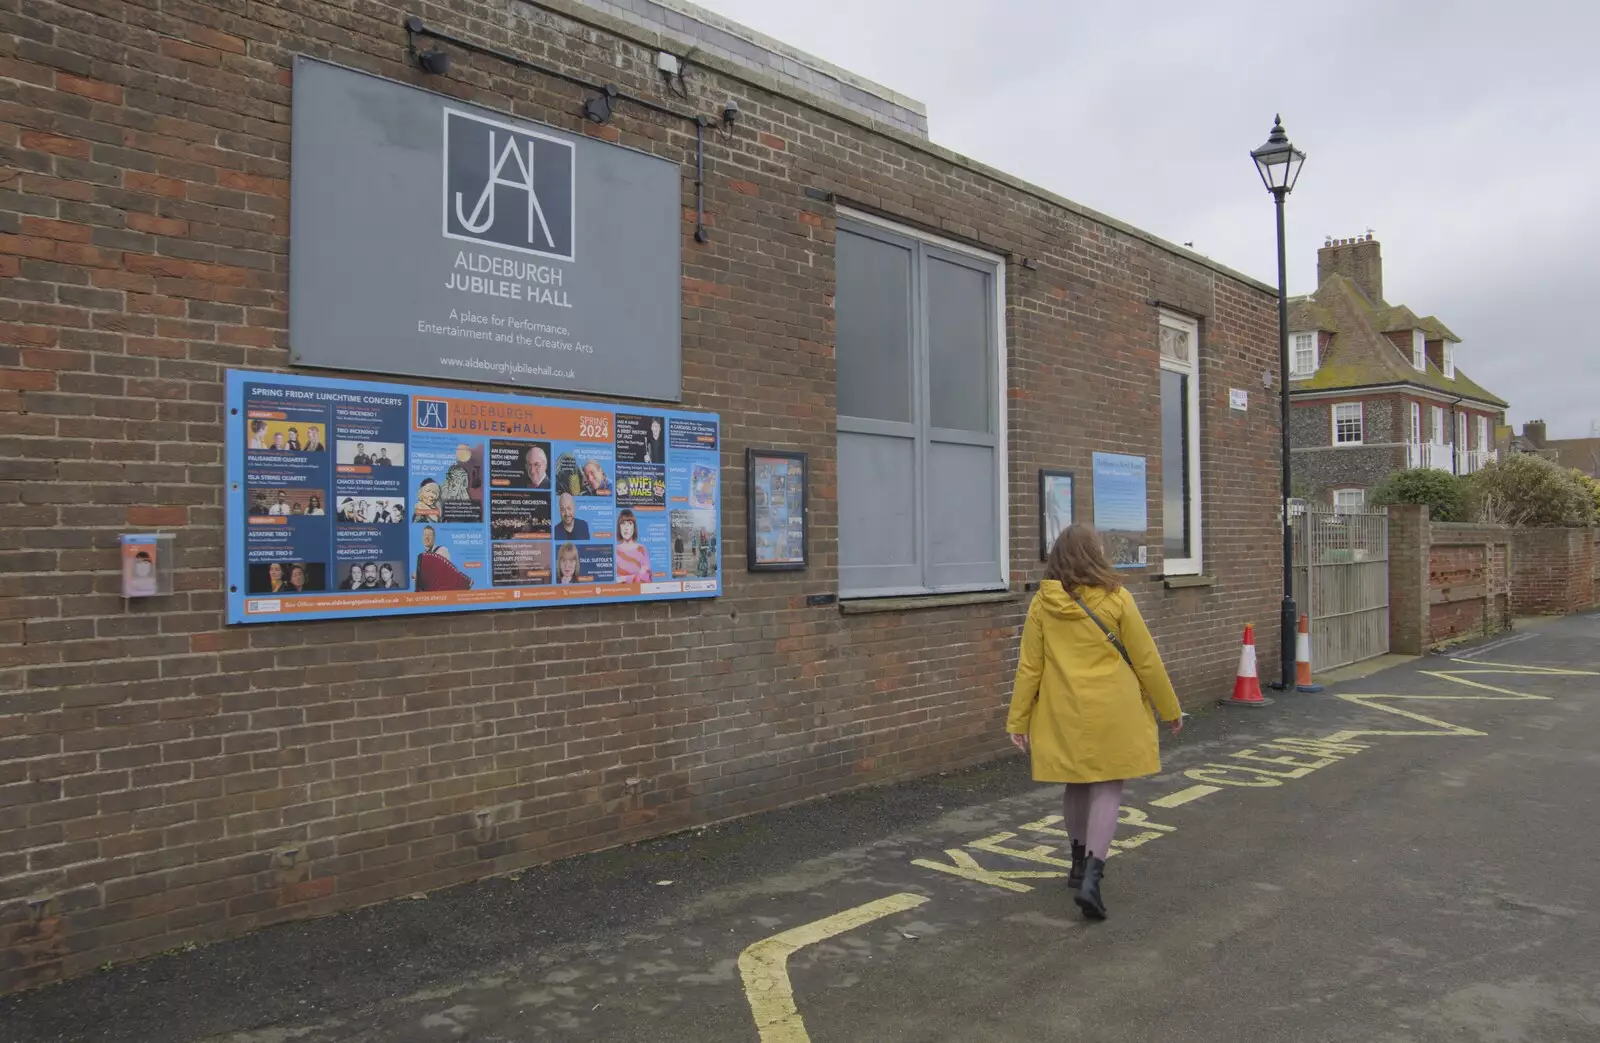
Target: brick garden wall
[[1469, 581], [1451, 580], [1554, 571], [165, 779]]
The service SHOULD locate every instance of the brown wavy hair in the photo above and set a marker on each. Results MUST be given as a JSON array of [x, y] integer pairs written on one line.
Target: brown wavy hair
[[1079, 560]]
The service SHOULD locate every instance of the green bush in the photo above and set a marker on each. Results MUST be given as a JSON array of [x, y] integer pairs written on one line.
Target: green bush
[[1446, 495], [1532, 491], [1592, 485]]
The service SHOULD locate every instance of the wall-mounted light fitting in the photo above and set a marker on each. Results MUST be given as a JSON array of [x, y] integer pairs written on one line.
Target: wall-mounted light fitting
[[434, 61], [598, 109]]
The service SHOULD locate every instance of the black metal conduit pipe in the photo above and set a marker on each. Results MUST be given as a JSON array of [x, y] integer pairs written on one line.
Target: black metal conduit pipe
[[416, 28]]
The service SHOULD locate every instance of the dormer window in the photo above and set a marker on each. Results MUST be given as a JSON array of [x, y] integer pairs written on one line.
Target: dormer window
[[1303, 356], [1449, 360], [1419, 351]]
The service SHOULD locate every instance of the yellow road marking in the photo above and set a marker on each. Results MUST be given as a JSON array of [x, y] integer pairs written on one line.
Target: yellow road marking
[[1530, 671], [967, 867], [1438, 727], [1184, 796], [764, 966]]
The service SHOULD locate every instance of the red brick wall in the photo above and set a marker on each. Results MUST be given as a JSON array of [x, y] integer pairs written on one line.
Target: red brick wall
[[1446, 581], [164, 779], [1553, 571], [1468, 581]]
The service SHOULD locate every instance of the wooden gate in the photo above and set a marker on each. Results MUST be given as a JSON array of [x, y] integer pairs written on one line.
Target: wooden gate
[[1341, 559]]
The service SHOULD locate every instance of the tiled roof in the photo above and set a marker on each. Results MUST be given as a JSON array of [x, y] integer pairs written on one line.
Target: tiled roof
[[1359, 355]]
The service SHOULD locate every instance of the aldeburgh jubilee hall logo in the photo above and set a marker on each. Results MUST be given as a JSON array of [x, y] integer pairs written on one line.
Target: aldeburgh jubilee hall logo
[[508, 187], [433, 414]]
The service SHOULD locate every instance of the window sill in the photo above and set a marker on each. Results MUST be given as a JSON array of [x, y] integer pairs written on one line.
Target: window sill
[[871, 606], [1184, 582]]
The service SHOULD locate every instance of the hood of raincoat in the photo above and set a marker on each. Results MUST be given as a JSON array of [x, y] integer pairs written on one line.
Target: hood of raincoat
[[1054, 599]]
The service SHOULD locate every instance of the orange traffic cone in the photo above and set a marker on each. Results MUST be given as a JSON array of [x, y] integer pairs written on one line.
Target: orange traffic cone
[[1302, 659], [1247, 686]]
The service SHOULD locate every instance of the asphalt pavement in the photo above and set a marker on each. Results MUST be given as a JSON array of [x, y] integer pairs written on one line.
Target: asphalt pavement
[[1405, 858]]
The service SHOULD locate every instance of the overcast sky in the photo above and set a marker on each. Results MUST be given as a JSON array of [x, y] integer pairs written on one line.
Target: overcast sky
[[1463, 133]]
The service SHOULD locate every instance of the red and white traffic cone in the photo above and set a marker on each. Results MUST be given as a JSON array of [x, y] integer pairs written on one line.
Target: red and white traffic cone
[[1247, 685], [1302, 659]]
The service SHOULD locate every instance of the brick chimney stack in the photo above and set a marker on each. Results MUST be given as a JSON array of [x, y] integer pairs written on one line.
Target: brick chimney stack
[[1535, 431], [1357, 259]]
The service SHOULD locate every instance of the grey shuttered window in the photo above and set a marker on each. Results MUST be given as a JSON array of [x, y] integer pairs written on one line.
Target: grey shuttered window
[[921, 500]]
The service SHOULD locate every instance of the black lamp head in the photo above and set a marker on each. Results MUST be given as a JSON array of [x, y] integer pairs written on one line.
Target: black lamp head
[[598, 109], [434, 62]]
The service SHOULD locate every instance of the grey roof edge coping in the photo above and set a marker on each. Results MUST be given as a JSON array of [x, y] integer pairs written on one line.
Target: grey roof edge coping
[[784, 50], [581, 12]]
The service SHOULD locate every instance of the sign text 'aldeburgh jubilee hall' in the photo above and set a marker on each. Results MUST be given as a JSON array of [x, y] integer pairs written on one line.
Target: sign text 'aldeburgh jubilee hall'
[[434, 238]]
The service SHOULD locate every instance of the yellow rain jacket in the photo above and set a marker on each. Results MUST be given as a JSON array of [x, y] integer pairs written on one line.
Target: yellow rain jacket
[[1088, 717]]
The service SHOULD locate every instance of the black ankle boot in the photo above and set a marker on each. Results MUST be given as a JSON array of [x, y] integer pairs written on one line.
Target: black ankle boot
[[1080, 855], [1088, 897]]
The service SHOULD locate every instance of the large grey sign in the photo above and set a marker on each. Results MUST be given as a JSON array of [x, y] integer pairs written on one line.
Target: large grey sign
[[438, 239]]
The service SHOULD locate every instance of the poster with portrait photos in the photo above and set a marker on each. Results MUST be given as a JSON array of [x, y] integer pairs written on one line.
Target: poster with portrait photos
[[352, 499]]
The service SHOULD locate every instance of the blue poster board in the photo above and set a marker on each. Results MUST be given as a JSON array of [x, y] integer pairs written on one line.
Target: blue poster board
[[1121, 508], [349, 499]]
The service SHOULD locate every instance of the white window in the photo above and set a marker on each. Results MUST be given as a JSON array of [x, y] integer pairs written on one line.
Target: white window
[[1438, 425], [1449, 360], [1483, 434], [1419, 350], [920, 364], [1180, 445], [1349, 501], [1416, 423], [1303, 354], [1347, 423], [1461, 430]]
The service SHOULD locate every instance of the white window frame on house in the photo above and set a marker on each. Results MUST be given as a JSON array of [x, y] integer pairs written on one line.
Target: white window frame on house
[[1449, 360], [1483, 434], [1189, 368], [1461, 431], [931, 565], [1438, 426], [1349, 501], [1419, 351], [1303, 354], [1416, 423], [1360, 419]]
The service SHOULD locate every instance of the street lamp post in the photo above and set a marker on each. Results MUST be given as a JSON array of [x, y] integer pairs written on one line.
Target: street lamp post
[[1279, 164]]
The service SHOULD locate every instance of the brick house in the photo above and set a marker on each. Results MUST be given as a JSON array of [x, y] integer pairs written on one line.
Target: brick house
[[1578, 454], [168, 778], [1374, 387]]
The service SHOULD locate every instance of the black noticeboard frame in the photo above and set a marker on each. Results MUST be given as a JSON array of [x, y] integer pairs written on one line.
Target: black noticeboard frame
[[752, 458], [1045, 475]]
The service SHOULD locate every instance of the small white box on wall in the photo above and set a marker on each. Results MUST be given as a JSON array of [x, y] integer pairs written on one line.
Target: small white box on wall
[[147, 560]]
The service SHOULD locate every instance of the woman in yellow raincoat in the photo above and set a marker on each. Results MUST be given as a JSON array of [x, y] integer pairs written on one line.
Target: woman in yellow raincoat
[[1089, 684]]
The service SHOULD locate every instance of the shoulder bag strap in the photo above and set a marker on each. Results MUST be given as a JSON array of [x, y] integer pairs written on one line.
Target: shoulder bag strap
[[1116, 642]]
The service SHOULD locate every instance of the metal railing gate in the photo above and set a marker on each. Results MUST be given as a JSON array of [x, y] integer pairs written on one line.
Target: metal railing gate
[[1341, 560]]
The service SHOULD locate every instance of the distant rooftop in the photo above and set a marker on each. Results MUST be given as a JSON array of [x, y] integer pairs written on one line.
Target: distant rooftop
[[713, 34]]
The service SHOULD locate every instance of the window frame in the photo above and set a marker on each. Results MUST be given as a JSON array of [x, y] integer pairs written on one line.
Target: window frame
[[1419, 351], [922, 432], [1349, 508], [1438, 426], [1194, 564], [1295, 369], [1449, 356], [1361, 419], [1416, 423], [1462, 430], [1483, 433]]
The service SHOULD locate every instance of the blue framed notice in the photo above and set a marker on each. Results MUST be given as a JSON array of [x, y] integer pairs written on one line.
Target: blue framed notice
[[1121, 508], [350, 499]]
